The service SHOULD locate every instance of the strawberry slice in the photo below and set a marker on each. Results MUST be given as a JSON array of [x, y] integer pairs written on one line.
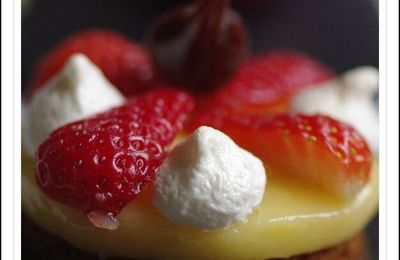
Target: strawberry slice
[[126, 64], [98, 165], [267, 82], [318, 149]]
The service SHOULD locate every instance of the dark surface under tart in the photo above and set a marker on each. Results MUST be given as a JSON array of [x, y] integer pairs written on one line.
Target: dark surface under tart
[[40, 244]]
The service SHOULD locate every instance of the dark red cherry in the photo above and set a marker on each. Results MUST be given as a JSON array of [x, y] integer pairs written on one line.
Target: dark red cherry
[[199, 46]]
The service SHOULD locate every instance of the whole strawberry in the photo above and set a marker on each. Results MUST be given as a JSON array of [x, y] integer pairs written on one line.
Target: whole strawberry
[[98, 165], [126, 64]]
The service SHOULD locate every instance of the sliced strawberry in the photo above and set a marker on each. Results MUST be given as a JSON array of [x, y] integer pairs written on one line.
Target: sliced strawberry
[[318, 149], [126, 64], [100, 164], [266, 83]]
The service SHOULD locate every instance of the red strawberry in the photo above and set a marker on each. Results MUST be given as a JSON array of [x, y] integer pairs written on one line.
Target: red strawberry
[[266, 83], [98, 165], [127, 65], [318, 149]]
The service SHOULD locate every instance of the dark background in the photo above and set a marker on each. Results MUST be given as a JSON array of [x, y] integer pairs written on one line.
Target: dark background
[[341, 33]]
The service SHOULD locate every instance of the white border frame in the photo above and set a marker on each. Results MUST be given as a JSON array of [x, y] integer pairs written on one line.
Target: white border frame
[[10, 121], [17, 127], [389, 31], [382, 124], [11, 129]]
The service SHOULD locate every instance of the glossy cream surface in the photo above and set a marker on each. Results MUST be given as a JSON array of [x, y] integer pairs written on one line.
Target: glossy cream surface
[[293, 218]]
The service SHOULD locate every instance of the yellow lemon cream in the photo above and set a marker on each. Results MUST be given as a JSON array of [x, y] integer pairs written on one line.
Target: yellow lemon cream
[[293, 218]]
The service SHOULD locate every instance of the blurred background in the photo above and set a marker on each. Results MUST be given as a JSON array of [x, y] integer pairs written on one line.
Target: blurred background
[[341, 33]]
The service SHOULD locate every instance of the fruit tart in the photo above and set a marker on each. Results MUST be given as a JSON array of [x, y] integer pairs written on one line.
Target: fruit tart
[[193, 148]]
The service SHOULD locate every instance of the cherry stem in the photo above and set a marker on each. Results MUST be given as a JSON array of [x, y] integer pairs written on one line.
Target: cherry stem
[[210, 13], [210, 6]]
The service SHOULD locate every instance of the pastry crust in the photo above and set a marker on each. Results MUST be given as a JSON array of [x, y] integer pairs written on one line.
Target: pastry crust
[[353, 249]]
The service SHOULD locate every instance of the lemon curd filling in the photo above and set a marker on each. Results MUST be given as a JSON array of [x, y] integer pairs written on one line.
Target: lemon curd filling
[[293, 218]]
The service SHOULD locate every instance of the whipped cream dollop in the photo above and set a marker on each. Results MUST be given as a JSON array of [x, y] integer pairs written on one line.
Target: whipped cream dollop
[[349, 98], [209, 182], [79, 90]]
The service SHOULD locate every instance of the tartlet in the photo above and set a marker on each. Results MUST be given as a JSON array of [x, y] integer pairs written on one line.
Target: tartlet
[[295, 219]]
